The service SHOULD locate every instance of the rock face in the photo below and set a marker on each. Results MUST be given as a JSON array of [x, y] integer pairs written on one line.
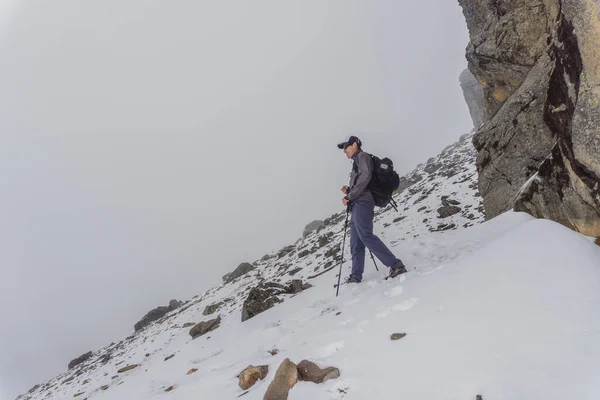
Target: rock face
[[241, 269], [203, 328], [473, 94], [156, 314], [264, 296], [285, 379], [538, 64], [313, 226], [309, 371], [251, 374], [80, 359]]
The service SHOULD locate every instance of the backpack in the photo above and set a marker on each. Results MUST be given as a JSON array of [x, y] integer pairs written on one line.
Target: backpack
[[383, 182]]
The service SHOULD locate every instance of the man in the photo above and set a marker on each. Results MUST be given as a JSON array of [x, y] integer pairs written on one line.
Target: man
[[360, 201]]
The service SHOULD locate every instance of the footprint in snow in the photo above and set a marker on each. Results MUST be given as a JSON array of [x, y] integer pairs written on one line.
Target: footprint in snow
[[393, 292], [406, 304], [330, 349]]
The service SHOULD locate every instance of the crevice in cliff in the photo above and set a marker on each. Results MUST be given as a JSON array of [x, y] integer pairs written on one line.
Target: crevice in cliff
[[562, 99]]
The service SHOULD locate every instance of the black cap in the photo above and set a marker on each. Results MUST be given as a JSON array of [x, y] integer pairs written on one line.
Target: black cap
[[348, 141]]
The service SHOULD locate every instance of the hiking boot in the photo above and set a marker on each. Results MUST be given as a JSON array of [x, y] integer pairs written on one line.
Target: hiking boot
[[351, 279], [394, 272]]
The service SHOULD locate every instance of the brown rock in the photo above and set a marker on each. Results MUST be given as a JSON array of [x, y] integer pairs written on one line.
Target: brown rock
[[285, 379], [128, 368], [397, 336], [191, 371], [479, 397], [251, 374], [274, 352], [78, 394], [205, 327], [597, 241], [309, 371], [170, 388]]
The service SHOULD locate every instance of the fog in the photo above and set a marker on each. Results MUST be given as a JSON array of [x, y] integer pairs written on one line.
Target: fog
[[149, 147]]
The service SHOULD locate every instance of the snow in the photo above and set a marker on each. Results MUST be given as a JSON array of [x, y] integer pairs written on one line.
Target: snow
[[508, 308]]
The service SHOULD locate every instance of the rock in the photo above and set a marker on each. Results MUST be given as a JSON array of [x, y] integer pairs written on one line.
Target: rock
[[285, 251], [310, 228], [156, 314], [128, 368], [104, 387], [295, 271], [406, 182], [170, 388], [188, 324], [191, 371], [259, 299], [297, 286], [304, 253], [325, 239], [597, 241], [80, 359], [399, 219], [203, 328], [449, 202], [251, 374], [264, 296], [285, 379], [397, 336], [174, 304], [35, 387], [273, 352], [169, 357], [431, 168], [447, 211], [473, 94], [241, 270], [210, 309], [538, 149], [442, 227], [308, 371], [479, 397], [78, 394]]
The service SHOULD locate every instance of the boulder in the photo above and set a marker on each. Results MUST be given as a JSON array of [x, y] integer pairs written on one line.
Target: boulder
[[265, 296], [203, 328], [80, 359], [447, 211], [285, 379], [311, 227], [251, 375], [210, 309], [309, 371], [156, 314], [241, 270]]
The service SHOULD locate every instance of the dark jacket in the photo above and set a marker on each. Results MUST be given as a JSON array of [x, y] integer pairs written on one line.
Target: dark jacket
[[360, 178]]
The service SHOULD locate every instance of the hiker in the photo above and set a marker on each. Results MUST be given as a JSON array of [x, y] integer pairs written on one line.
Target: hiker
[[360, 202]]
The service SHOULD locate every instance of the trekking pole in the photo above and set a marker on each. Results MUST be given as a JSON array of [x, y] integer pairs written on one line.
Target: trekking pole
[[343, 245], [373, 258]]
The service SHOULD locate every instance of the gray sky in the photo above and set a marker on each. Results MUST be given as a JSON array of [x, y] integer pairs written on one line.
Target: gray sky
[[149, 147]]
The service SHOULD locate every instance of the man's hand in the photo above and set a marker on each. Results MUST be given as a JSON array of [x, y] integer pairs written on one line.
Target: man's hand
[[345, 189], [345, 201]]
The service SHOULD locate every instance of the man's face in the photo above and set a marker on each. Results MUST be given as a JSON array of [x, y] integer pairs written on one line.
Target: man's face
[[350, 150]]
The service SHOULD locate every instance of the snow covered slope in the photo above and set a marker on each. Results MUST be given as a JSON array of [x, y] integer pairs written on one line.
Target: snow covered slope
[[507, 309]]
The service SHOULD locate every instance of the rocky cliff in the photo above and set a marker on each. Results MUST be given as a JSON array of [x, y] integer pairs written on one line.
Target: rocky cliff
[[538, 62]]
